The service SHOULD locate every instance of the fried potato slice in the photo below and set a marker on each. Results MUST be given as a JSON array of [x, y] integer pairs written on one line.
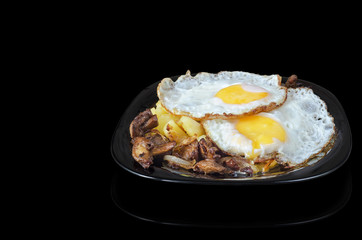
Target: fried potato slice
[[191, 127], [173, 132]]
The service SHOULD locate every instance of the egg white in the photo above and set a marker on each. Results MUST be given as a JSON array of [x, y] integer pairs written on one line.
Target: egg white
[[195, 96], [305, 119], [229, 139]]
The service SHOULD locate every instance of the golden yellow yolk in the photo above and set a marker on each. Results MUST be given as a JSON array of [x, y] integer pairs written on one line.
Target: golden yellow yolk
[[261, 130], [235, 94]]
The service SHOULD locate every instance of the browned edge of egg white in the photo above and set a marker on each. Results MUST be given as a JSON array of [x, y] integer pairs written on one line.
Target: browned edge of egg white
[[327, 147]]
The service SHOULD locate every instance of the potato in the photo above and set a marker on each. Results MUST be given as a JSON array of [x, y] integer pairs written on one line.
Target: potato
[[163, 117], [173, 132], [191, 127], [159, 109]]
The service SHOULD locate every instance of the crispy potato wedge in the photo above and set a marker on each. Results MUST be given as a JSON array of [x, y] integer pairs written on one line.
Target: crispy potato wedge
[[163, 117], [191, 127], [173, 132]]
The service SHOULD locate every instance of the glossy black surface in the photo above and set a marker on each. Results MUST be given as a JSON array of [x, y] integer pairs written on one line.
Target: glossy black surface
[[121, 147], [232, 206]]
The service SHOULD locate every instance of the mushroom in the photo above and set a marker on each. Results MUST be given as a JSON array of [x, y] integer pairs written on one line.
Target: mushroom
[[144, 149], [142, 123]]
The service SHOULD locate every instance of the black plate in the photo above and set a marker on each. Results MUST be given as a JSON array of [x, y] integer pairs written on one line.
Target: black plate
[[121, 147], [229, 206]]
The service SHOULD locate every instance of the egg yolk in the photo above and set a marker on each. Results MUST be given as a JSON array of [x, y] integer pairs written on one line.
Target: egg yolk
[[235, 94], [261, 130]]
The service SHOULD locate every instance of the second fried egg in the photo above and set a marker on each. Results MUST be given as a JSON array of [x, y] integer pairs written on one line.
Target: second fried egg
[[296, 131]]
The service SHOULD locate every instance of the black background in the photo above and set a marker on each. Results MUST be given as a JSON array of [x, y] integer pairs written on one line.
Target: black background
[[122, 65], [75, 69]]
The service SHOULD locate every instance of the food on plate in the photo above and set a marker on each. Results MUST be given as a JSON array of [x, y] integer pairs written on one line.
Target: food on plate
[[234, 124]]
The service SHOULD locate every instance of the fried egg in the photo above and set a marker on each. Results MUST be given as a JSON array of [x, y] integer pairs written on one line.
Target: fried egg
[[296, 131], [223, 95]]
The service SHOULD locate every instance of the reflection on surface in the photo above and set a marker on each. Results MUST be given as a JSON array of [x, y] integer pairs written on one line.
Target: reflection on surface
[[232, 206]]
